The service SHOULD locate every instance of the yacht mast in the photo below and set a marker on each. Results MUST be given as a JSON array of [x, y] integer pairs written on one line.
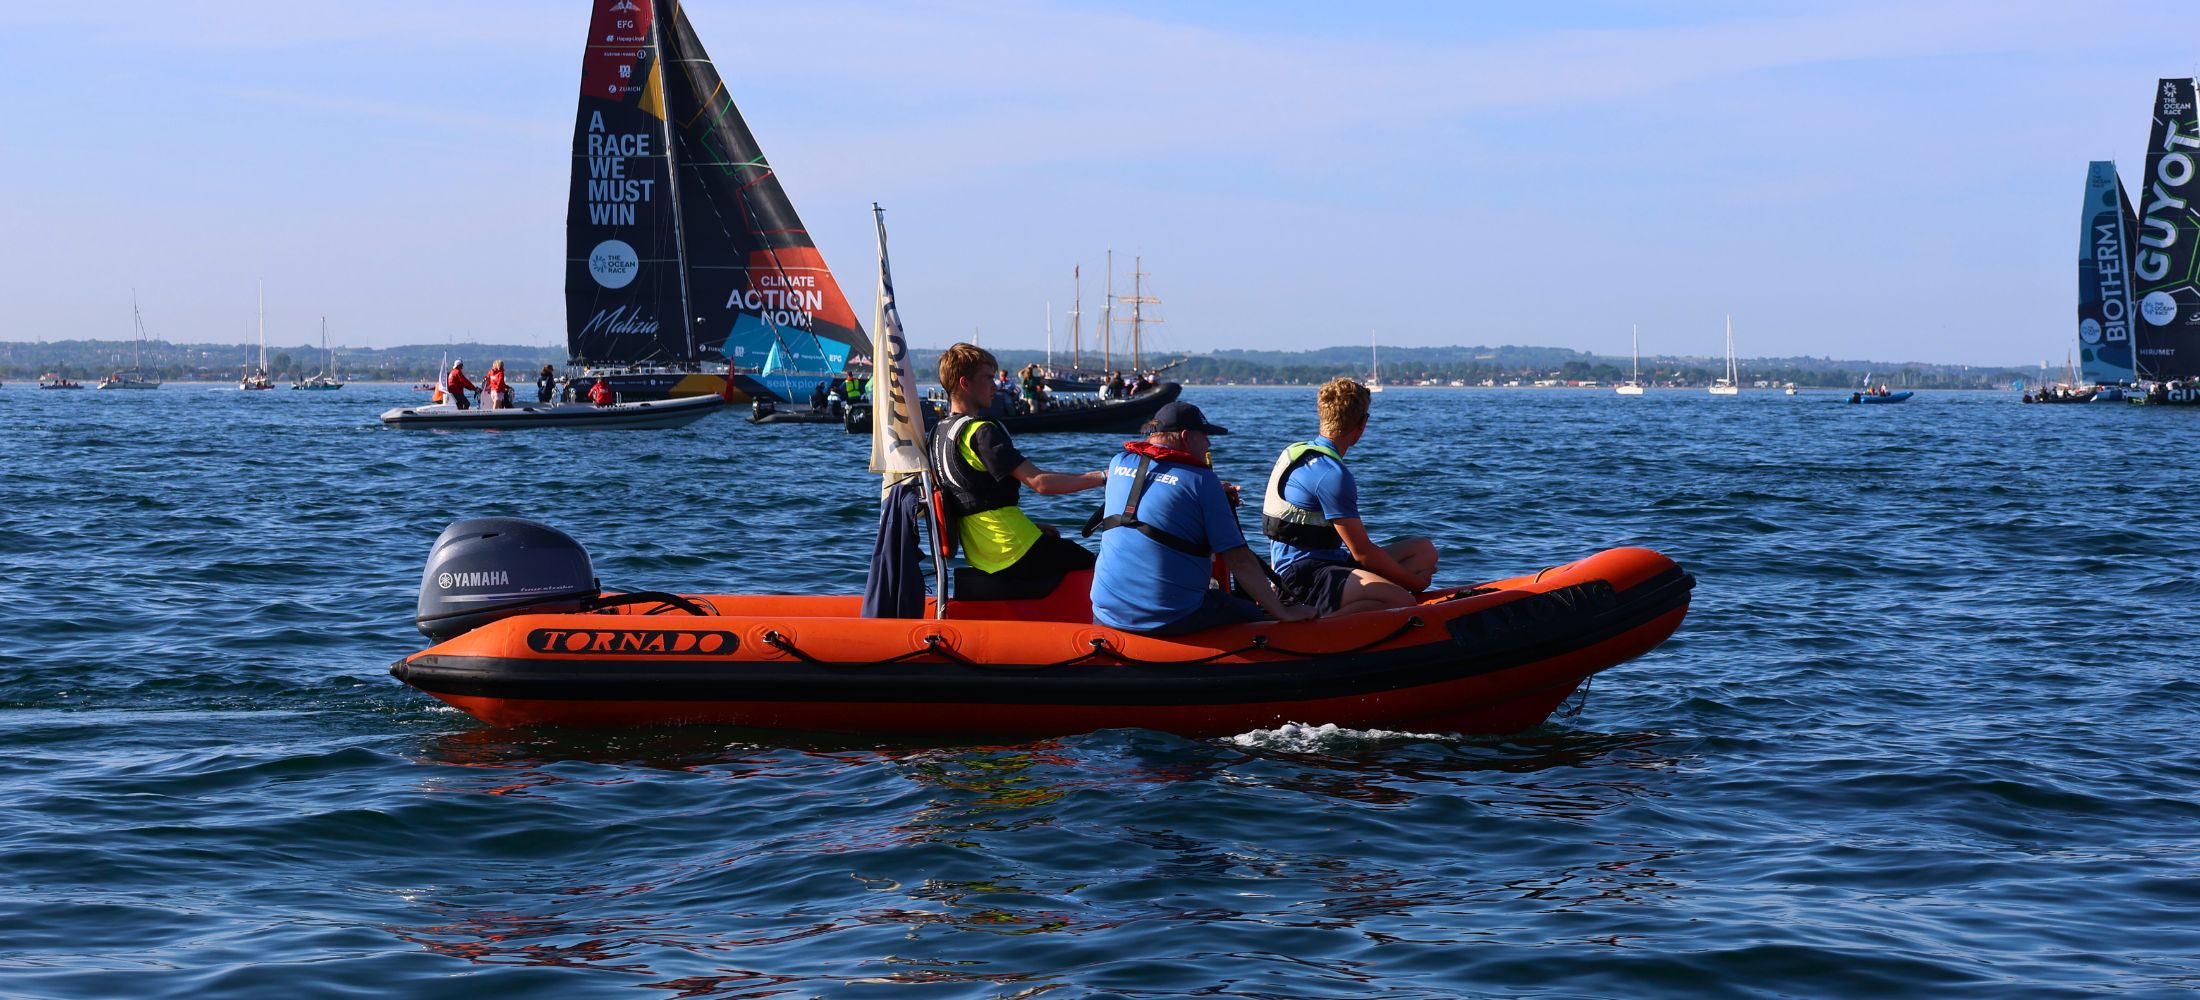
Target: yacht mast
[[1138, 298], [1733, 375], [672, 185], [1076, 317], [1107, 318], [263, 326]]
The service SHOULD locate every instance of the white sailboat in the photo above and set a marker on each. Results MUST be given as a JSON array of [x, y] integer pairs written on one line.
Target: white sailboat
[[1633, 385], [258, 378], [1374, 366], [1731, 385]]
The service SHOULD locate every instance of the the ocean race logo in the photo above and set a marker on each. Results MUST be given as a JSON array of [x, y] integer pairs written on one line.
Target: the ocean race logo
[[633, 642], [486, 578], [614, 264], [2158, 308]]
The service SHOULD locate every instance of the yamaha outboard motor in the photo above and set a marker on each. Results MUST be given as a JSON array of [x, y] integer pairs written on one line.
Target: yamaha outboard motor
[[487, 568]]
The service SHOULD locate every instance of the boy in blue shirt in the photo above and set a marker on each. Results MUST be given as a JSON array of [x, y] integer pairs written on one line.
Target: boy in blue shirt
[[1167, 516], [1311, 515]]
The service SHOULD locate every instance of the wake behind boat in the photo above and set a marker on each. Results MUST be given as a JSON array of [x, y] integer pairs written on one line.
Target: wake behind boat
[[623, 416]]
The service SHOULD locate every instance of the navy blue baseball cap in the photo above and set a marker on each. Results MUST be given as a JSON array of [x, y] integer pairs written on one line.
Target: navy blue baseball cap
[[1182, 416]]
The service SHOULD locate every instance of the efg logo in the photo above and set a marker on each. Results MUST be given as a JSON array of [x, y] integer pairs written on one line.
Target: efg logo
[[2090, 331], [633, 641], [613, 264], [2158, 308]]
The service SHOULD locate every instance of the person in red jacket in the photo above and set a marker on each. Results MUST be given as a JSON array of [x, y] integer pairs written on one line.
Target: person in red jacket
[[456, 385], [600, 393], [498, 394]]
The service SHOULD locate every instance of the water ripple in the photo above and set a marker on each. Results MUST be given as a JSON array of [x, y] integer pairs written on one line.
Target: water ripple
[[1926, 731]]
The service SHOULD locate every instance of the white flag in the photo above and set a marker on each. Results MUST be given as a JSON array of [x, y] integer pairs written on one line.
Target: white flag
[[897, 422]]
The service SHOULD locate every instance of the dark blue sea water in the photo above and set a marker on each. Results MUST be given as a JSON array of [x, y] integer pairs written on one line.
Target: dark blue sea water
[[1929, 729]]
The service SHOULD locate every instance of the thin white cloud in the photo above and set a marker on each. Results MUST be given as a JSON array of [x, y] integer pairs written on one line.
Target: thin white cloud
[[1035, 83], [423, 114]]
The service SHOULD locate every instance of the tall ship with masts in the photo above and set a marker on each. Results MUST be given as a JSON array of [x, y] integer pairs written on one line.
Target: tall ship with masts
[[1077, 378], [686, 264]]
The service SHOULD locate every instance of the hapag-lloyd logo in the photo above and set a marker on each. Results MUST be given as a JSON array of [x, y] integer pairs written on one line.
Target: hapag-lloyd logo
[[633, 642]]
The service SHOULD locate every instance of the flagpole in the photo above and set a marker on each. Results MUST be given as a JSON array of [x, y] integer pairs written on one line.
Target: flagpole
[[894, 389]]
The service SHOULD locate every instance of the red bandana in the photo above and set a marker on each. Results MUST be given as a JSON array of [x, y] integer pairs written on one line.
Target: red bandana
[[1161, 454]]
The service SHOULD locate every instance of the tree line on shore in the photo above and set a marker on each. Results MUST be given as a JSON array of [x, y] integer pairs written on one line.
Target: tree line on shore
[[1500, 365], [90, 359]]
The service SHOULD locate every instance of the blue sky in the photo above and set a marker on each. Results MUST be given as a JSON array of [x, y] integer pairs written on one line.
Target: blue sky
[[1892, 181]]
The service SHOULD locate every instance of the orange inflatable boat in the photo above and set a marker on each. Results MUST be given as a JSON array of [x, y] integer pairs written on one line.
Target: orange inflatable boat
[[536, 643]]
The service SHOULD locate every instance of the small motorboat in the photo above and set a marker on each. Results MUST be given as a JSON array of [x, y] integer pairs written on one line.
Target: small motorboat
[[53, 381], [523, 636], [765, 410], [1892, 397], [624, 416], [130, 380], [1117, 416]]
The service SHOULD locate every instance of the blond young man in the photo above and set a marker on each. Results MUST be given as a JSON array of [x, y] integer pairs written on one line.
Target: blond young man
[[981, 474], [1311, 514]]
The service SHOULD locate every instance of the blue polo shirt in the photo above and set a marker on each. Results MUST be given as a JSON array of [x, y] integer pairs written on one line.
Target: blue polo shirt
[[1141, 583], [1323, 484]]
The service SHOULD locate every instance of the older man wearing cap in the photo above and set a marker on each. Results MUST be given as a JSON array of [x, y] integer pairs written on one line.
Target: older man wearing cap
[[1166, 516]]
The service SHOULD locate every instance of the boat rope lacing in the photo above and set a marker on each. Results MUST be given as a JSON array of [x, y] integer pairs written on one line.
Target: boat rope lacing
[[1580, 699], [665, 603], [937, 645]]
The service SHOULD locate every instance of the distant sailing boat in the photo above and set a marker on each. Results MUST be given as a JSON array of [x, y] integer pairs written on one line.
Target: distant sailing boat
[[258, 378], [2105, 330], [1374, 367], [135, 378], [1731, 385], [326, 377], [1633, 385], [682, 249]]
